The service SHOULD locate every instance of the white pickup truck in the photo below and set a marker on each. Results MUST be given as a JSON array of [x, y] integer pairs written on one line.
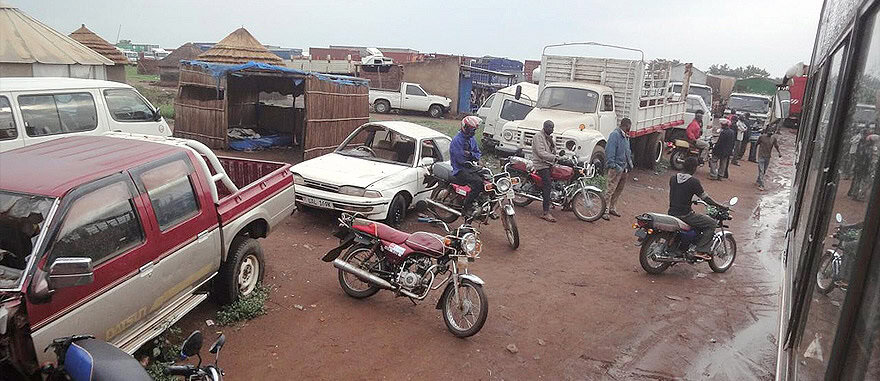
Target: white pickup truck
[[586, 97], [411, 97]]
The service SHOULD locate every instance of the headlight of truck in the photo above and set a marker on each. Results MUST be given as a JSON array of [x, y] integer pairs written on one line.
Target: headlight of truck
[[298, 180], [507, 135], [570, 145]]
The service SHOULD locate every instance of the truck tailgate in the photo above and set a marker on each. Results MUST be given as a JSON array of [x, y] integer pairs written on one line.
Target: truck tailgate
[[257, 181]]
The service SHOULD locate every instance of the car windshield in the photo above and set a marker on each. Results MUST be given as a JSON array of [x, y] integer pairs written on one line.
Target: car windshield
[[693, 105], [373, 142], [758, 105], [21, 220], [568, 99], [703, 92]]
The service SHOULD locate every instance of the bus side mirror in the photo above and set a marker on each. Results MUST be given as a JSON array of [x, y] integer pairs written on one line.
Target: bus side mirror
[[518, 93]]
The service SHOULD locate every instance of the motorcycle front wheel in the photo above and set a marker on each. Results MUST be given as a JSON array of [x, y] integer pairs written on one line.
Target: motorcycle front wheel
[[467, 317], [361, 257], [676, 159], [825, 275], [445, 196], [588, 205], [510, 230], [724, 254], [655, 244]]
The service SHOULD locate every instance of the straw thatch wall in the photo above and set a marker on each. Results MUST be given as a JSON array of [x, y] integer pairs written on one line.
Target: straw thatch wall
[[333, 111], [200, 108]]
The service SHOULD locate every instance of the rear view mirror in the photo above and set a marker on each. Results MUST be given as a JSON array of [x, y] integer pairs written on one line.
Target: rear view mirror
[[192, 345], [733, 201], [426, 162], [70, 272], [518, 93], [839, 218], [157, 115], [781, 104], [218, 344]]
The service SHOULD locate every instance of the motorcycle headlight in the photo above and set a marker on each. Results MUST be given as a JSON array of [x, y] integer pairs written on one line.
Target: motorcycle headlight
[[503, 185], [507, 135], [352, 191], [470, 244], [298, 180]]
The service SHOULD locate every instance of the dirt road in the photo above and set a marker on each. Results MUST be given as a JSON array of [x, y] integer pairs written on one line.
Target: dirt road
[[572, 299]]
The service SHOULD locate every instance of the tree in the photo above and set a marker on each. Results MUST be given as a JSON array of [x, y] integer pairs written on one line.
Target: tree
[[739, 72]]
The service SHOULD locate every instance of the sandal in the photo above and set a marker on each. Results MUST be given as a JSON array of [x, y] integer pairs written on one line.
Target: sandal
[[548, 217]]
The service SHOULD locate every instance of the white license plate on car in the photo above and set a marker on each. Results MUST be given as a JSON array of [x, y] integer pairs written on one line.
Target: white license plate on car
[[317, 202]]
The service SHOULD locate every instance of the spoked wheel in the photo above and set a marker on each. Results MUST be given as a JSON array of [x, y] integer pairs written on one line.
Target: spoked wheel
[[588, 205], [676, 159], [655, 245], [466, 315], [510, 230], [445, 196], [361, 257], [825, 275], [724, 254], [518, 199]]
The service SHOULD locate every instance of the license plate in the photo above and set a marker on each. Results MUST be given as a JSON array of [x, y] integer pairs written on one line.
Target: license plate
[[317, 202], [641, 233]]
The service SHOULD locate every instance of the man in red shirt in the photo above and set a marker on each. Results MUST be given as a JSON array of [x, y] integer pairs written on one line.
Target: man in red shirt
[[695, 130]]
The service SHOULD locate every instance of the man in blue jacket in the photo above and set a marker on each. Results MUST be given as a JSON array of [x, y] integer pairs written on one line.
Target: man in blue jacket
[[463, 151], [618, 161]]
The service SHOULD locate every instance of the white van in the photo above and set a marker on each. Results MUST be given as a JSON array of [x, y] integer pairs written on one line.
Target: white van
[[33, 110], [502, 107]]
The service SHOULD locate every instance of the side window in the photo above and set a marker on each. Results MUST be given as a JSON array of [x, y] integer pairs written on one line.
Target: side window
[[513, 110], [100, 225], [414, 90], [7, 123], [171, 193], [52, 114], [488, 102], [126, 105], [607, 102], [443, 148]]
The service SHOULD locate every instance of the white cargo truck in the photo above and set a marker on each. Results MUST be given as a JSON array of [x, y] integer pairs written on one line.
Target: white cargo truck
[[586, 97]]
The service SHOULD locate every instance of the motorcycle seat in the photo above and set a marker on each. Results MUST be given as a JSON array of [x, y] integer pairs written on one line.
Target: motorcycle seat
[[379, 230], [442, 170], [428, 243], [92, 359], [666, 222]]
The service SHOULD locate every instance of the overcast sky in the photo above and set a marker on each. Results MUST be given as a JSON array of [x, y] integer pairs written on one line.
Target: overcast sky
[[773, 34]]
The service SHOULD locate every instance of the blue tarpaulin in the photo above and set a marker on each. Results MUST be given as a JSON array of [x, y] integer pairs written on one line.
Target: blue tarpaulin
[[265, 141], [218, 70]]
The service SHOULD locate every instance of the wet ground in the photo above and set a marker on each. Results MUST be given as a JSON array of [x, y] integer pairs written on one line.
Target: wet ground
[[572, 299]]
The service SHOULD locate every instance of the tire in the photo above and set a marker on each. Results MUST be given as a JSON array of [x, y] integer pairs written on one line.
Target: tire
[[653, 150], [676, 159], [366, 289], [722, 266], [435, 111], [448, 297], [648, 264], [825, 268], [587, 198], [521, 201], [510, 230], [244, 268], [444, 196], [598, 159], [382, 106], [396, 211]]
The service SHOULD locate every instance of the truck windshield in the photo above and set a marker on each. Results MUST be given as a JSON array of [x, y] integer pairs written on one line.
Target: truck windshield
[[757, 105], [703, 92], [21, 220], [568, 99]]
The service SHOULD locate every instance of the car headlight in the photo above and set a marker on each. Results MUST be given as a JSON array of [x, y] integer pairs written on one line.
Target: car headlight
[[503, 185], [372, 194], [298, 180], [470, 244], [352, 191], [570, 145], [507, 135]]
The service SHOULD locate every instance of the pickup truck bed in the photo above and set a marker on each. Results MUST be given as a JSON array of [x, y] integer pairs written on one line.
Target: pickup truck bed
[[256, 180]]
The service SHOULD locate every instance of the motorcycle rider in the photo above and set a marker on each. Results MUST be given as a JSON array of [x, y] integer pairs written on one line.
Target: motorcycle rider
[[544, 150], [464, 151], [695, 130], [683, 186]]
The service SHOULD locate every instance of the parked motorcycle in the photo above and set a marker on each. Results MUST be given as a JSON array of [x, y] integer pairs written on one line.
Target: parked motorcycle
[[680, 150], [84, 358], [447, 199], [666, 240], [379, 257], [832, 271], [569, 190]]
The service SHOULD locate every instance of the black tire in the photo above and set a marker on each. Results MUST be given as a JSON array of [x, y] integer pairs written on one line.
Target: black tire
[[396, 211], [653, 150], [592, 196], [444, 196], [382, 106], [369, 289], [677, 158], [731, 244], [521, 201], [448, 296], [598, 159], [510, 230], [645, 253], [435, 111], [243, 252], [825, 265]]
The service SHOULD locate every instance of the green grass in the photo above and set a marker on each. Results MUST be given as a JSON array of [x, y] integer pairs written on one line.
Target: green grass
[[245, 308], [163, 350], [161, 98], [132, 75]]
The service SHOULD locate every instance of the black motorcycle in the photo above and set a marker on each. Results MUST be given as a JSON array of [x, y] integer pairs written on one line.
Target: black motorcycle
[[833, 270]]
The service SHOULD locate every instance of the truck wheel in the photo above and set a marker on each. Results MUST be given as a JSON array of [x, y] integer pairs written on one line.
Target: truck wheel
[[435, 111], [396, 211], [242, 271], [598, 159], [653, 150], [637, 145], [382, 106]]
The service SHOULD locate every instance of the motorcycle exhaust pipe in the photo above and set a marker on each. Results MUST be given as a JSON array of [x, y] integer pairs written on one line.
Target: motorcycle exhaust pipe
[[536, 198], [363, 275], [444, 207]]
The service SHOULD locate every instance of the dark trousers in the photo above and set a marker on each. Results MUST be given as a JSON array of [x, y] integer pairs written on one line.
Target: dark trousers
[[547, 179], [753, 151], [705, 226], [742, 146], [472, 179]]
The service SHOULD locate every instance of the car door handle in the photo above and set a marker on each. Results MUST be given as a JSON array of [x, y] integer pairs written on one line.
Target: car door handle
[[146, 269], [203, 236]]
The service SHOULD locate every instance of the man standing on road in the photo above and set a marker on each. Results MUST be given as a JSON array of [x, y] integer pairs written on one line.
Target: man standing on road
[[544, 150], [683, 187], [765, 143], [618, 160], [739, 145], [722, 151], [463, 150], [695, 130]]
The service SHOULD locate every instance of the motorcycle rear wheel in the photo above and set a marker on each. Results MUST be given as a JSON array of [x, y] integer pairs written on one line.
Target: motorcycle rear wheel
[[653, 244], [676, 159], [518, 200], [720, 262], [588, 205], [350, 283], [825, 276], [445, 196], [470, 321]]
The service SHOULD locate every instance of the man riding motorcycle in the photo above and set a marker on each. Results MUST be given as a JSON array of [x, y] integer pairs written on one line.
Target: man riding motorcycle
[[683, 186], [463, 152], [695, 130]]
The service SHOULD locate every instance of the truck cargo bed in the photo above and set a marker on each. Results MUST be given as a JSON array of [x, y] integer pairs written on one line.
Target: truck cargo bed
[[256, 180]]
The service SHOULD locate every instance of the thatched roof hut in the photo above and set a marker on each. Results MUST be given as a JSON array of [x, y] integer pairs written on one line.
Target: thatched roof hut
[[88, 38], [237, 48], [169, 67]]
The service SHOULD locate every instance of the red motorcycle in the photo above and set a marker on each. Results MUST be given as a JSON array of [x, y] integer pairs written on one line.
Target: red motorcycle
[[569, 190]]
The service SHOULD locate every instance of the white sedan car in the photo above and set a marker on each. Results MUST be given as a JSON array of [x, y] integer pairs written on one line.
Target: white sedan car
[[378, 171]]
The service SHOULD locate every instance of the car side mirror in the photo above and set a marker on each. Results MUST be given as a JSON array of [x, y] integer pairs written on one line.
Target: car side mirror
[[518, 94], [157, 115], [426, 162], [733, 201], [70, 272], [192, 345]]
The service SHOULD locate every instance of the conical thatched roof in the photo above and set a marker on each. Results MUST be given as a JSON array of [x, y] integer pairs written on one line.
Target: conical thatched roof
[[187, 51], [237, 48], [23, 39], [88, 38]]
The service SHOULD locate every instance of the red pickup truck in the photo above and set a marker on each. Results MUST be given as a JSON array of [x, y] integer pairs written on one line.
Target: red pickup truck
[[119, 236]]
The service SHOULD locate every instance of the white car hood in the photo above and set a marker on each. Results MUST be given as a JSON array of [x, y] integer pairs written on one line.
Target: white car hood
[[337, 169], [563, 120]]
